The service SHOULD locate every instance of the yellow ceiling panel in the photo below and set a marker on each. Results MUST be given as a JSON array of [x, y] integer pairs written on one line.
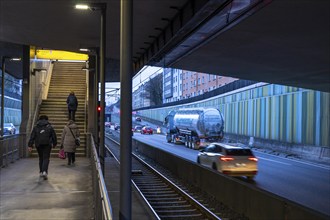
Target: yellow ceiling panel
[[57, 55]]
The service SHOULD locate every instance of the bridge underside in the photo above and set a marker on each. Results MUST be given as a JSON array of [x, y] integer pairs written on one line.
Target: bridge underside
[[283, 42]]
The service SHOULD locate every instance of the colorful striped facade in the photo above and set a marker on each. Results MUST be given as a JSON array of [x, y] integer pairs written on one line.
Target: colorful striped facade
[[274, 112]]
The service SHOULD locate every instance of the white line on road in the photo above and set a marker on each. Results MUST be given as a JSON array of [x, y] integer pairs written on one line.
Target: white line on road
[[274, 161], [327, 167]]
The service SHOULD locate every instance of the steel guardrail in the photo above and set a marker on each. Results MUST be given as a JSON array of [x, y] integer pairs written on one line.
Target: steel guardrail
[[101, 197], [11, 148]]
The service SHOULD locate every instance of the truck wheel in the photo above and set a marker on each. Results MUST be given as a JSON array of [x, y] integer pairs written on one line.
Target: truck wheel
[[173, 139], [185, 141], [221, 135]]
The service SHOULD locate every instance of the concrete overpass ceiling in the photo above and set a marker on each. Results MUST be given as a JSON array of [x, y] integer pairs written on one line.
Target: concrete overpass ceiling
[[284, 42], [287, 42]]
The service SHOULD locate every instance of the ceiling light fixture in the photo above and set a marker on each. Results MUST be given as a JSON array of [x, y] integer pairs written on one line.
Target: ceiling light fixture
[[82, 7]]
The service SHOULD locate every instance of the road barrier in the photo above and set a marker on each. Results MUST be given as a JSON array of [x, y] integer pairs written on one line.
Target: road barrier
[[244, 198]]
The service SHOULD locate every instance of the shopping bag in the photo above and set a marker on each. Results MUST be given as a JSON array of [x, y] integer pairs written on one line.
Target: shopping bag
[[77, 142], [61, 154]]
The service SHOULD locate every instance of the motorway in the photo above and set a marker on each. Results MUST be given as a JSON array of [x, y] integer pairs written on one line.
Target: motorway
[[304, 183]]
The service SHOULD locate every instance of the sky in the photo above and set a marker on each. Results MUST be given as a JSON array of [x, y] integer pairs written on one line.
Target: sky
[[112, 94], [144, 75]]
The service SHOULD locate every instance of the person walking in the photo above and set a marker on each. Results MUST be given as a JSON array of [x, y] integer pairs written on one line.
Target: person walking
[[43, 136], [69, 136], [72, 103]]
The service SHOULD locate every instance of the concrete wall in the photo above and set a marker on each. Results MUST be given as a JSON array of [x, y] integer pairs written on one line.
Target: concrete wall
[[277, 113], [241, 197]]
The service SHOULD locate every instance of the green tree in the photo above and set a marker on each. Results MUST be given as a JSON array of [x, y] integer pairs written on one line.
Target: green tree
[[153, 90]]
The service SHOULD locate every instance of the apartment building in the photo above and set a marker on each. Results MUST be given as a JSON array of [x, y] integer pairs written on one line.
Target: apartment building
[[195, 83], [172, 85], [182, 84], [139, 98]]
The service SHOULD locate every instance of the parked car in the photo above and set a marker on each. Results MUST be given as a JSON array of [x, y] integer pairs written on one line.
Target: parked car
[[9, 128], [230, 160], [117, 127], [138, 119], [137, 128], [147, 130]]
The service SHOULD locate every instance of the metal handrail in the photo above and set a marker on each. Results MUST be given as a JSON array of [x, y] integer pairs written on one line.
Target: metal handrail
[[104, 197], [42, 94], [85, 108]]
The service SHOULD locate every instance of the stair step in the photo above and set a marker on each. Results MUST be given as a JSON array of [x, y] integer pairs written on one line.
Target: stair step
[[66, 77]]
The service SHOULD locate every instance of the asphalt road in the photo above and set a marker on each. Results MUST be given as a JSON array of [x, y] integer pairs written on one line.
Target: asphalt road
[[302, 182]]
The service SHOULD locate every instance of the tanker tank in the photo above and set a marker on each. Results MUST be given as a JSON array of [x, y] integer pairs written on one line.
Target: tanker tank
[[195, 126]]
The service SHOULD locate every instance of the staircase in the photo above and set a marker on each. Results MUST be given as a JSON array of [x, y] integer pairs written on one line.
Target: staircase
[[66, 77]]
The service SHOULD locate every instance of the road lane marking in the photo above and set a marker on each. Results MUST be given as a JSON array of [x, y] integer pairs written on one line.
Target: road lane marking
[[308, 163], [274, 161]]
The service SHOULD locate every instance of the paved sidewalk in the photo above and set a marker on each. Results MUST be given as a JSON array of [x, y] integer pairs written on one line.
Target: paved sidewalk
[[67, 194]]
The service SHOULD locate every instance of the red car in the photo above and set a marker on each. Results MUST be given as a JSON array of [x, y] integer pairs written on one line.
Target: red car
[[147, 130]]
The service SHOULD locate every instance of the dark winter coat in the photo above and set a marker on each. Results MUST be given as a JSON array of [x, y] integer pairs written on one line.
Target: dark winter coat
[[67, 140], [34, 134], [72, 102]]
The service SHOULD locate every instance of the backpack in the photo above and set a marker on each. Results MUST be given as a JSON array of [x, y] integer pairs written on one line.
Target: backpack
[[72, 101], [43, 134]]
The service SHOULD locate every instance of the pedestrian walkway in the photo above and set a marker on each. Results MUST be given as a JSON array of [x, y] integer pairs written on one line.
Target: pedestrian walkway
[[67, 194]]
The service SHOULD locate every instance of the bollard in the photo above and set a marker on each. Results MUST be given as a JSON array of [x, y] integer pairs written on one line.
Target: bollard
[[251, 142]]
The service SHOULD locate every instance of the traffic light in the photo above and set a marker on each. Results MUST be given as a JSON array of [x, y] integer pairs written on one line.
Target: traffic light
[[98, 109]]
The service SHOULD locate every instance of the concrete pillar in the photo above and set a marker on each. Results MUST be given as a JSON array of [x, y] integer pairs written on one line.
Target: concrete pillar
[[25, 98], [126, 69]]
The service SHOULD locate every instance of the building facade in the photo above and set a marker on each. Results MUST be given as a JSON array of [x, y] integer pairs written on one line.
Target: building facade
[[172, 85], [195, 83], [181, 84]]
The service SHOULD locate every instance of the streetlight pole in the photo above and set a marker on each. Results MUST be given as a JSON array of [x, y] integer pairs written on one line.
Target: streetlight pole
[[4, 58], [94, 62], [102, 82], [2, 93], [102, 7]]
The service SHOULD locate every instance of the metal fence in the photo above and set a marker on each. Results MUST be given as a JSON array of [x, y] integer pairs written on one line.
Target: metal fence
[[11, 149], [102, 206]]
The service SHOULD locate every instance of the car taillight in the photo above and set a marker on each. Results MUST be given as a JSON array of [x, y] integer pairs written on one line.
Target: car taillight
[[223, 158], [253, 159]]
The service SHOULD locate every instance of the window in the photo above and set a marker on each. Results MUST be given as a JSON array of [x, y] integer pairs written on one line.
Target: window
[[239, 152], [210, 148]]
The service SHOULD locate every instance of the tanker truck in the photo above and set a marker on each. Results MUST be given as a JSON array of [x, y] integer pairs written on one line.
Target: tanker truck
[[194, 127]]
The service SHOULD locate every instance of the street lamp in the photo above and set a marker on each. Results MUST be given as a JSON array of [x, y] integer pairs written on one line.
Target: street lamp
[[100, 7], [4, 58], [94, 91]]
